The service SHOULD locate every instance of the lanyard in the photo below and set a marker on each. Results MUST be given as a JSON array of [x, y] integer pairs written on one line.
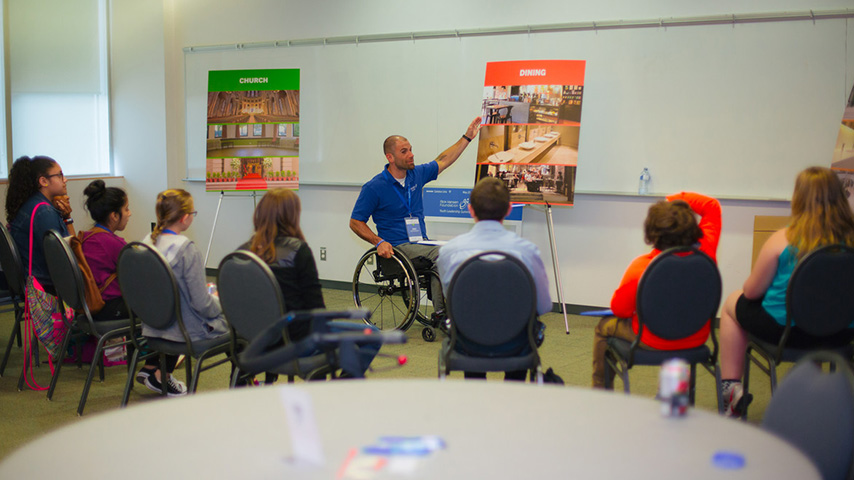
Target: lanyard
[[170, 232], [406, 204], [105, 228]]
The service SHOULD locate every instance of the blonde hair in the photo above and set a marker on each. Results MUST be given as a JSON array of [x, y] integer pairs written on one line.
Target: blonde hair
[[277, 214], [171, 206], [820, 212]]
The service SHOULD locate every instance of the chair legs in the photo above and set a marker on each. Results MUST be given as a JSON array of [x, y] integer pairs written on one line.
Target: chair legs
[[614, 366], [60, 359], [16, 333], [34, 349], [131, 374], [770, 370], [99, 359]]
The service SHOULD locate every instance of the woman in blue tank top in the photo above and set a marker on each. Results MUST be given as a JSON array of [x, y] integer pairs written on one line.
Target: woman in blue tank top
[[820, 216]]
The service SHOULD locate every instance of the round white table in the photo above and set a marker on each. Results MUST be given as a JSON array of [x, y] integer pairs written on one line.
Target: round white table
[[492, 430]]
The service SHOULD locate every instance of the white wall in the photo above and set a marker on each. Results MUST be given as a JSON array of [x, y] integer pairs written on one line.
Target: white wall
[[596, 239], [138, 109]]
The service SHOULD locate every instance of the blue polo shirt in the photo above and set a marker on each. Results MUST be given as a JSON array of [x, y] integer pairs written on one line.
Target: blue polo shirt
[[389, 203]]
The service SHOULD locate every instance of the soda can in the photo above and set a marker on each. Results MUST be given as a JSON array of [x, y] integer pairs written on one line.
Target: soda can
[[673, 384]]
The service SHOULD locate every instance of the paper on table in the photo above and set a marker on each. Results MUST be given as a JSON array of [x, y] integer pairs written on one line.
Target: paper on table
[[305, 436]]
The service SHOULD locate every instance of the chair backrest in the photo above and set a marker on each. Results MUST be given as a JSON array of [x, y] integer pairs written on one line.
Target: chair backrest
[[249, 293], [10, 260], [678, 293], [149, 287], [819, 297], [814, 410], [64, 271], [491, 299]]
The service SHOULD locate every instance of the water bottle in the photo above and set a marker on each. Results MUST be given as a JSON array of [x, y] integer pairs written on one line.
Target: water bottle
[[643, 184]]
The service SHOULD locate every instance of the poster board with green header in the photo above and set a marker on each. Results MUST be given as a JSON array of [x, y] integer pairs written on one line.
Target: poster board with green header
[[252, 129]]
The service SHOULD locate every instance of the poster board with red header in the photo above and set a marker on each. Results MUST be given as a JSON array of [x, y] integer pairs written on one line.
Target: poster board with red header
[[531, 112]]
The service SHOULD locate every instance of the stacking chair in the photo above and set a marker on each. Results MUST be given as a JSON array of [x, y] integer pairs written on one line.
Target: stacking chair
[[491, 302], [252, 301], [68, 281], [152, 296], [819, 301], [678, 294], [10, 261], [814, 411]]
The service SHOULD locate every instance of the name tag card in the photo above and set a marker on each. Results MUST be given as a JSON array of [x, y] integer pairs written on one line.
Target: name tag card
[[413, 229]]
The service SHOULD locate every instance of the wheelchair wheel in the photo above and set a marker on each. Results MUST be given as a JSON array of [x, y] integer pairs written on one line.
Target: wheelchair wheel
[[388, 287], [428, 334]]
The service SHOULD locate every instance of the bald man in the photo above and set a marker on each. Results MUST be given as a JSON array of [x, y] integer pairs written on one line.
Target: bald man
[[393, 199]]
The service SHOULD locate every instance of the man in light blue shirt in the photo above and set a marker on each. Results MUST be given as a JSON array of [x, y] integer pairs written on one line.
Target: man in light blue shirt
[[489, 204]]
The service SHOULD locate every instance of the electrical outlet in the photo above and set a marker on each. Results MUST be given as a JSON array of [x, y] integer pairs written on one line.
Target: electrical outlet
[[370, 260], [322, 254]]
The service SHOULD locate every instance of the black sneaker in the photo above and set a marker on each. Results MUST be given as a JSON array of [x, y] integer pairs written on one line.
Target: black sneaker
[[143, 374], [174, 387]]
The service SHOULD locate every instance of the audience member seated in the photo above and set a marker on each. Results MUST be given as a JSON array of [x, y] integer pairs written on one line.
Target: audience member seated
[[279, 241], [200, 310], [820, 216], [31, 182], [489, 204], [108, 207], [669, 223]]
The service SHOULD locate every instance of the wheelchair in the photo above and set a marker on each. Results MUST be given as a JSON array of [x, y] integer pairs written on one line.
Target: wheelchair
[[396, 291]]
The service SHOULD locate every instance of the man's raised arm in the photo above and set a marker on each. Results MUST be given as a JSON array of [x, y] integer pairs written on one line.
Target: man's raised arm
[[365, 233], [452, 153]]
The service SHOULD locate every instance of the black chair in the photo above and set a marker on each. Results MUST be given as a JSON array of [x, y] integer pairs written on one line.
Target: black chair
[[252, 301], [13, 270], [68, 281], [678, 294], [492, 307], [819, 302], [814, 411], [152, 296]]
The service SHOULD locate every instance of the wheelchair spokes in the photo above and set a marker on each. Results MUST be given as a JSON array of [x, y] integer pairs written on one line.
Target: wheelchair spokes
[[388, 288]]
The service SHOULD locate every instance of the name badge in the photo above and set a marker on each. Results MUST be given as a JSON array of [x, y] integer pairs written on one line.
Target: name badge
[[413, 229]]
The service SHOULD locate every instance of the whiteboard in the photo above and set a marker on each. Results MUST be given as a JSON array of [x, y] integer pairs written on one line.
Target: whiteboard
[[728, 110]]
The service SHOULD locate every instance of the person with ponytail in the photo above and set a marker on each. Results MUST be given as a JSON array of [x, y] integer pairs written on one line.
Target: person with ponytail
[[200, 310], [820, 216], [33, 181], [109, 208], [279, 241]]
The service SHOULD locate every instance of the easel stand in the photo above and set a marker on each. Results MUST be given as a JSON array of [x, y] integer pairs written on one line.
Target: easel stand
[[556, 264], [222, 195]]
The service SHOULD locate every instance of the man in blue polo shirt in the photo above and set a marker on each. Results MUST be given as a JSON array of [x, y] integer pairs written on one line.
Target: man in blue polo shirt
[[393, 199]]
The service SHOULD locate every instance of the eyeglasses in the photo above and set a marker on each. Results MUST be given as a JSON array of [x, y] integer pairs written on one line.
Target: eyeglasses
[[60, 175], [194, 213]]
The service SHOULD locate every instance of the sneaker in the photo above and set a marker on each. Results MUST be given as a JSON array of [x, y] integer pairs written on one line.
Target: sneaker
[[143, 374], [735, 402], [174, 387]]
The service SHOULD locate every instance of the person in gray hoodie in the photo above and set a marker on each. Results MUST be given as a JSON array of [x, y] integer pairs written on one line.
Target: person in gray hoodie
[[200, 309]]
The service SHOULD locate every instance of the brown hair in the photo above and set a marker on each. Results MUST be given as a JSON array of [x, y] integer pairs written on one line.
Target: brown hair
[[821, 214], [277, 214], [171, 206], [671, 224], [490, 199]]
